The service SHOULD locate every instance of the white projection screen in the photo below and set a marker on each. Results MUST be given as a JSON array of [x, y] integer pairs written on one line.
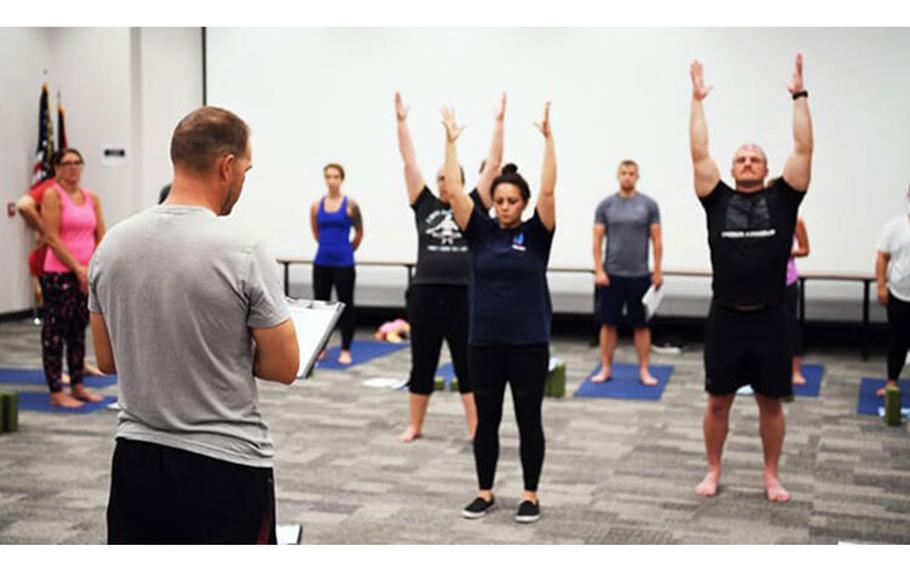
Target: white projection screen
[[319, 95]]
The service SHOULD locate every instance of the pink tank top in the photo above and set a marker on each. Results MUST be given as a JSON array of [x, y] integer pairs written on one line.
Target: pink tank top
[[792, 274], [77, 231]]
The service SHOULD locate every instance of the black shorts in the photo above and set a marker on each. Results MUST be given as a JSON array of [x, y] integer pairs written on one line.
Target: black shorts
[[162, 495], [749, 348], [623, 291], [437, 312]]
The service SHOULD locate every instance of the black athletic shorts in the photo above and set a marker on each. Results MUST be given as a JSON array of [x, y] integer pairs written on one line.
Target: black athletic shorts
[[623, 291], [162, 495], [749, 348]]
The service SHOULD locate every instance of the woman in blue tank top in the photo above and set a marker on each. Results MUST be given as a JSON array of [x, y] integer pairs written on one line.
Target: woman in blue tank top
[[332, 217]]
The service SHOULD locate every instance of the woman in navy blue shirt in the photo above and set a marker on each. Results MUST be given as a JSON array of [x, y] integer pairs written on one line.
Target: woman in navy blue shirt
[[332, 218], [510, 314]]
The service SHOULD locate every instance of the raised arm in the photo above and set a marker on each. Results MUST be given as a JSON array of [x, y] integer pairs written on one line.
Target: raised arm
[[546, 201], [705, 169], [462, 205], [494, 158], [412, 176], [357, 222], [798, 169]]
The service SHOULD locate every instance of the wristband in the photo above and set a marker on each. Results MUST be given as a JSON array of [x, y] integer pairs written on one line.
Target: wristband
[[800, 94]]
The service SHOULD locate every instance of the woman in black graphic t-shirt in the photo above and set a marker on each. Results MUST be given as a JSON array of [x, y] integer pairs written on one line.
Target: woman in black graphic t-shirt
[[510, 315], [437, 299]]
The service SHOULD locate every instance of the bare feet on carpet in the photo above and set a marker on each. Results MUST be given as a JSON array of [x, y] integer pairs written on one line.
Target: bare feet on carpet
[[708, 485]]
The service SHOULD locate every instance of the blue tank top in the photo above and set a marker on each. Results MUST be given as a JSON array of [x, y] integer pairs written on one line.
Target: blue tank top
[[334, 236]]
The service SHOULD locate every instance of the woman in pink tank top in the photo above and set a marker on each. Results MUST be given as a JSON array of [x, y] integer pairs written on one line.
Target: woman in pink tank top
[[800, 249], [73, 226]]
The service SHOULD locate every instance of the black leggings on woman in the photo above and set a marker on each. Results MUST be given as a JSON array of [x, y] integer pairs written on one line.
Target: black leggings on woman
[[524, 368], [65, 319], [324, 277], [899, 329], [437, 312]]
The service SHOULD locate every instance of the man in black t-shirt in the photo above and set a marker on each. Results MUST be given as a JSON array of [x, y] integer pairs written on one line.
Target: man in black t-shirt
[[750, 232]]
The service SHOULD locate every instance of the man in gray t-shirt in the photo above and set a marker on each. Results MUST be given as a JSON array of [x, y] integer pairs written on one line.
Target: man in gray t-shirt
[[628, 220], [188, 311]]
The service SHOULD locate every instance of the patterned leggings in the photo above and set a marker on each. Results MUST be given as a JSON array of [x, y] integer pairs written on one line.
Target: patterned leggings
[[65, 319]]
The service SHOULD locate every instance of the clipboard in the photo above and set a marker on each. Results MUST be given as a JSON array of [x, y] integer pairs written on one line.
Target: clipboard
[[652, 299], [314, 322]]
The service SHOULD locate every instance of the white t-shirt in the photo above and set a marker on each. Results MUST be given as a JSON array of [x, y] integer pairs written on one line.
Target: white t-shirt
[[895, 241]]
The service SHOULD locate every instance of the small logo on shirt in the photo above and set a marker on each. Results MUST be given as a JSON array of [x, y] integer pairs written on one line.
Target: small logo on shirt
[[518, 242]]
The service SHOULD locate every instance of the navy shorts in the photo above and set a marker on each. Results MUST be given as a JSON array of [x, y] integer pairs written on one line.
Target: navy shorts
[[623, 291]]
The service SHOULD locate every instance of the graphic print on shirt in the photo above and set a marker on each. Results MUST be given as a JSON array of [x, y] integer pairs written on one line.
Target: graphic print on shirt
[[518, 242], [747, 218], [441, 226]]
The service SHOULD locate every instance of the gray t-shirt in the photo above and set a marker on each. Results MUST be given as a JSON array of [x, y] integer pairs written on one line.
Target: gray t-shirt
[[179, 291], [628, 223]]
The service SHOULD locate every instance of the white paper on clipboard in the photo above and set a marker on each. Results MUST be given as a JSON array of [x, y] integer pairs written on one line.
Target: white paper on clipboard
[[652, 299], [313, 321]]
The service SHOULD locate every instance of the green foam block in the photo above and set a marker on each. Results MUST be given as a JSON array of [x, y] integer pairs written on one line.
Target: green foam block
[[892, 406], [555, 385], [440, 384], [9, 411]]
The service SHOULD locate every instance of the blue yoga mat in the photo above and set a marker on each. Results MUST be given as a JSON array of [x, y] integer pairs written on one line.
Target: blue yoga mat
[[361, 352], [40, 402], [447, 372], [36, 377], [811, 372], [625, 383], [869, 403]]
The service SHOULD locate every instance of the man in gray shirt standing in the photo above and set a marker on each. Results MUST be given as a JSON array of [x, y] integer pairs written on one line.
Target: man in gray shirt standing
[[189, 312], [628, 219]]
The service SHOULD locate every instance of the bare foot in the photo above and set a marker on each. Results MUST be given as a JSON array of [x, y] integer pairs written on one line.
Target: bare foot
[[775, 490], [344, 358], [646, 379], [89, 369], [64, 400], [85, 395], [410, 434], [799, 379], [603, 376], [881, 392], [708, 485], [322, 355]]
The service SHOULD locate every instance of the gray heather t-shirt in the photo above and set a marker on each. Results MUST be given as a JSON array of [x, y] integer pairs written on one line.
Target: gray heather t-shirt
[[628, 223], [179, 291]]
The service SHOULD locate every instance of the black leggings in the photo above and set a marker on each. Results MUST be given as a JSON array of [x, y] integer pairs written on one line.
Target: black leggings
[[65, 319], [324, 277], [899, 329], [524, 367], [436, 313]]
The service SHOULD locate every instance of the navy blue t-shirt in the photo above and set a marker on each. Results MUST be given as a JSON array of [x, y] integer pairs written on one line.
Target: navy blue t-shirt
[[509, 296]]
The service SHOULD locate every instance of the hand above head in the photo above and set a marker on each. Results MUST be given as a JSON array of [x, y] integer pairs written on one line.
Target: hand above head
[[453, 130], [699, 90], [796, 84], [501, 109], [544, 125], [401, 111]]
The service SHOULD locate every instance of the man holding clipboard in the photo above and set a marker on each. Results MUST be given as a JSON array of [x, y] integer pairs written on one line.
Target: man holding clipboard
[[189, 312]]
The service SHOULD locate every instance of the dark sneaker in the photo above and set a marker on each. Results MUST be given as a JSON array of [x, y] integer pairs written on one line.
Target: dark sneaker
[[478, 508], [527, 512]]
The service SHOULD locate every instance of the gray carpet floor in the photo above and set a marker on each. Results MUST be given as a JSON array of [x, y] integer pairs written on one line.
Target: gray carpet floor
[[616, 471]]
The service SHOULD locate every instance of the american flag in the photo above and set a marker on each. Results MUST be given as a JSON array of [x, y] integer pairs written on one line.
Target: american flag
[[42, 167]]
